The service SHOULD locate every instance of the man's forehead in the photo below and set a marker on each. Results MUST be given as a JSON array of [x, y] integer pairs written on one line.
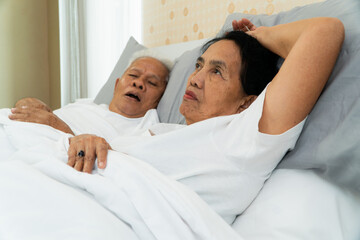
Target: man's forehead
[[150, 66], [147, 61]]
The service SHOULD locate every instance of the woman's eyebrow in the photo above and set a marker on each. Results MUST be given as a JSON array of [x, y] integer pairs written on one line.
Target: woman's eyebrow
[[218, 63], [200, 59]]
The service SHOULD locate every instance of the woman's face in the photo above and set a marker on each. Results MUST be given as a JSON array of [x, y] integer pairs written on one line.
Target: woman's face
[[214, 88]]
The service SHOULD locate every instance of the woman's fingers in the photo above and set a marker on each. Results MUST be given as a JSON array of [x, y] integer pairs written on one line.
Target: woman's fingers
[[79, 163], [83, 151], [71, 153], [244, 25], [79, 158], [101, 152], [71, 157], [235, 25], [76, 154], [248, 25], [89, 158]]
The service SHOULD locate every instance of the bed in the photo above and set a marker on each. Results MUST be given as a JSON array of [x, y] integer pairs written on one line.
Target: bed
[[313, 194]]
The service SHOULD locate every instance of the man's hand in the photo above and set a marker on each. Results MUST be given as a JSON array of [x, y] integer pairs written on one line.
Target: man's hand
[[83, 151], [32, 103], [39, 115]]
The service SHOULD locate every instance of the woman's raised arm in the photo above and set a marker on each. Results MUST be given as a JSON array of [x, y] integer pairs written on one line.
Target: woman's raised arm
[[310, 48]]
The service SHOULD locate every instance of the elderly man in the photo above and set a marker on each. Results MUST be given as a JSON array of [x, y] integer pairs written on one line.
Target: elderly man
[[136, 95]]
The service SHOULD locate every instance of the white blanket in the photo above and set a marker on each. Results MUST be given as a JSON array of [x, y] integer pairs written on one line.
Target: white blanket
[[84, 116], [33, 172]]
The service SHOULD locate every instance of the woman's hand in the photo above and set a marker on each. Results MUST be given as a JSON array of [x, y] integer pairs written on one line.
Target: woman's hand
[[39, 115], [248, 27], [244, 25], [83, 151]]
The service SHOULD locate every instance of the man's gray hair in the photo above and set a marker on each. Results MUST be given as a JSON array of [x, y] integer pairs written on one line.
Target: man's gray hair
[[153, 54]]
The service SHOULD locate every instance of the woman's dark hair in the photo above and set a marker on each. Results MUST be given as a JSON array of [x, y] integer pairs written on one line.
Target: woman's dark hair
[[258, 64]]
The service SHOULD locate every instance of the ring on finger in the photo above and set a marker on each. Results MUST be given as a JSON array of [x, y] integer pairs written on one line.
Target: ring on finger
[[81, 153]]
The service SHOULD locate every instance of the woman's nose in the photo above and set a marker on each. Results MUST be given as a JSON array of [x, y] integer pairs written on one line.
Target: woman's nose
[[197, 79]]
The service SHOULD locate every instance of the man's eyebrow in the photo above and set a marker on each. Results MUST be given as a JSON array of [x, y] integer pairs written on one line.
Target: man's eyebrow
[[200, 59], [149, 76], [155, 76], [134, 69]]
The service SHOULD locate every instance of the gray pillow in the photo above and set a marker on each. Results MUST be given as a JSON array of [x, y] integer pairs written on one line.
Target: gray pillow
[[325, 132], [339, 152], [169, 104], [106, 93]]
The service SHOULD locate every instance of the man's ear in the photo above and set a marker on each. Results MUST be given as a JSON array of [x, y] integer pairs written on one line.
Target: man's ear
[[116, 83], [246, 102]]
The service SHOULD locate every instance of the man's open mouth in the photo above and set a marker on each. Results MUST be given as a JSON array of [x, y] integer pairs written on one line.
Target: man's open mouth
[[133, 96]]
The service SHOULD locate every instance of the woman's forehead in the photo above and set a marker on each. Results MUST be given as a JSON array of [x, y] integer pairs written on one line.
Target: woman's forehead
[[225, 52], [224, 49]]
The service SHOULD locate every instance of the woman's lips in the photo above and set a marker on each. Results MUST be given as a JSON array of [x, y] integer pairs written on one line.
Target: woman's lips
[[190, 95]]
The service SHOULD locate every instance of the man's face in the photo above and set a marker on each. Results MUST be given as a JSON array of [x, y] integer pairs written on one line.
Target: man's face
[[214, 88], [140, 88]]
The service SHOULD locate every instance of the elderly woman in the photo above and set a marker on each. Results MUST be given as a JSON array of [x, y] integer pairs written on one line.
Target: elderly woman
[[234, 138]]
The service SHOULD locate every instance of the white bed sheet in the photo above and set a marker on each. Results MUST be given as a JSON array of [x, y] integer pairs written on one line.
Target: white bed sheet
[[298, 204], [43, 198], [34, 206]]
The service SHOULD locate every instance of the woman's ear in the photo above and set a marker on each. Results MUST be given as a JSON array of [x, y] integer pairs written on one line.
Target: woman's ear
[[246, 102]]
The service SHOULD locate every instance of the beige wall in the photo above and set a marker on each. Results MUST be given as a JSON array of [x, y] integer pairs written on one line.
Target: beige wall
[[29, 51], [54, 53], [173, 21]]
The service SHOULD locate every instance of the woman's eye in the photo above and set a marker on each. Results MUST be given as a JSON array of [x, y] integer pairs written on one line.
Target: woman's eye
[[217, 71]]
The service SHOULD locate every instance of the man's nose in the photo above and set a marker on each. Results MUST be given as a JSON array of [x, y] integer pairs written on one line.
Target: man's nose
[[139, 83]]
